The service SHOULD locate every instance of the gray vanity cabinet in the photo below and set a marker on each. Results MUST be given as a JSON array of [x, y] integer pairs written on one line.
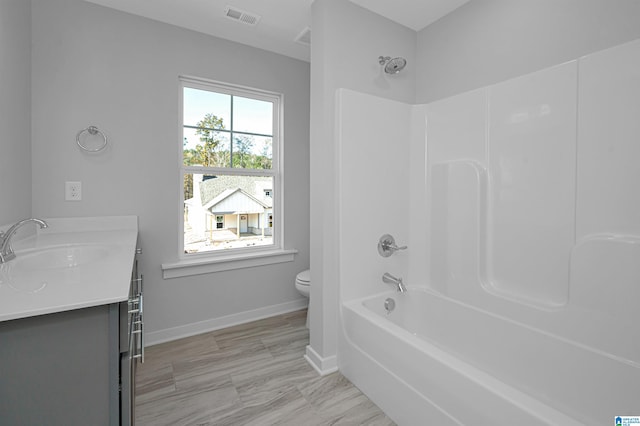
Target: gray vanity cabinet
[[66, 368], [55, 369]]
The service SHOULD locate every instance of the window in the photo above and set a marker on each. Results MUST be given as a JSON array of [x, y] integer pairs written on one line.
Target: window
[[229, 168]]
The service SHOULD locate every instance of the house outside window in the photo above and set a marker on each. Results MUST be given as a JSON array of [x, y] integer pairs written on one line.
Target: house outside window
[[229, 167]]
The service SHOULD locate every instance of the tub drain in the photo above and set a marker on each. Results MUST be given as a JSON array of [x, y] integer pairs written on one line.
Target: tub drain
[[389, 305]]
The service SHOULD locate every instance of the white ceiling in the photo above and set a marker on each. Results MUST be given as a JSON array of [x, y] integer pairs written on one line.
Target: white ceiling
[[281, 21], [415, 14]]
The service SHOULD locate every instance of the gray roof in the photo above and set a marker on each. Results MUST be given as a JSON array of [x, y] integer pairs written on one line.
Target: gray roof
[[214, 188], [228, 193]]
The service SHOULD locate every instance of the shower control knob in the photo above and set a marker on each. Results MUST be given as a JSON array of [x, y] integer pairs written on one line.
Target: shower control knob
[[387, 246]]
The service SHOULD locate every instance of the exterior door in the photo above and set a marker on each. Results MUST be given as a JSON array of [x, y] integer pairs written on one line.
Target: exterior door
[[243, 223]]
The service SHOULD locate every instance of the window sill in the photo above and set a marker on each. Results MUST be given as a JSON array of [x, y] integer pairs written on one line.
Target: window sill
[[188, 267]]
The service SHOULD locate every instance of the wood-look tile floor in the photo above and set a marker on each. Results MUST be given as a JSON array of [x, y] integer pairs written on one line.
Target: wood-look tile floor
[[250, 374]]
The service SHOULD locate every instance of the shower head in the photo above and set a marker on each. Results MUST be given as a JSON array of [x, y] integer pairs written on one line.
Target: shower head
[[392, 66]]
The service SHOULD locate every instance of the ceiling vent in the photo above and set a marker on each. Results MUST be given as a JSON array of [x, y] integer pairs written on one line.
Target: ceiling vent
[[304, 37], [241, 16]]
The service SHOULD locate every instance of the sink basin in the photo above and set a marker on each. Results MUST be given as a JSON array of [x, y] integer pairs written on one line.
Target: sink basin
[[75, 263], [32, 270], [60, 257]]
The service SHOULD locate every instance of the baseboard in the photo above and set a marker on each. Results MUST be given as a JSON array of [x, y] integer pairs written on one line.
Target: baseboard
[[169, 334], [323, 366]]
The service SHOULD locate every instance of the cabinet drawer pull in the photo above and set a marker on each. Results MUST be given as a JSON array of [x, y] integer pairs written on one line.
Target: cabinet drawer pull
[[136, 286], [139, 350], [135, 305]]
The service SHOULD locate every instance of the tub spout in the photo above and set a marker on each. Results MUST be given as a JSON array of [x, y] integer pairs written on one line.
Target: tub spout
[[390, 279]]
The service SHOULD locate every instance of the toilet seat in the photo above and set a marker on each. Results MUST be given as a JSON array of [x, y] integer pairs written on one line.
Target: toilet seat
[[304, 278], [303, 285]]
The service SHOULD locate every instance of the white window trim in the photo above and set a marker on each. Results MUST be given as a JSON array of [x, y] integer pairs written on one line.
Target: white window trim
[[201, 265], [216, 261]]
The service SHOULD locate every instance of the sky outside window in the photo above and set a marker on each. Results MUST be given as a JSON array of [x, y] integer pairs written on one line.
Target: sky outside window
[[198, 103], [249, 115], [252, 116]]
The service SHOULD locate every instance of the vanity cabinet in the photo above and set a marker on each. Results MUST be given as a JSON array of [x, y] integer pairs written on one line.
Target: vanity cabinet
[[73, 367]]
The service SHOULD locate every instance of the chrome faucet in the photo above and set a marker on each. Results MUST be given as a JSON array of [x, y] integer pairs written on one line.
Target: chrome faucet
[[6, 252], [390, 279]]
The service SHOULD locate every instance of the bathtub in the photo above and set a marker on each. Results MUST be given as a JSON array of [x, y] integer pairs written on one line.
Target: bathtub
[[435, 360]]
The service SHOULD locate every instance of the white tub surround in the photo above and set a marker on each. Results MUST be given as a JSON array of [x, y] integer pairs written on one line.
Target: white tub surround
[[522, 224], [74, 263]]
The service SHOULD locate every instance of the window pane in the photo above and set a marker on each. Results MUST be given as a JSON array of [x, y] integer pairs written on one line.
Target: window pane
[[252, 116], [252, 152], [225, 212], [206, 109], [263, 149], [204, 147]]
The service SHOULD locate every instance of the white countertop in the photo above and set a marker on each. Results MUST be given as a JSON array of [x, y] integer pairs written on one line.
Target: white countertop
[[99, 254]]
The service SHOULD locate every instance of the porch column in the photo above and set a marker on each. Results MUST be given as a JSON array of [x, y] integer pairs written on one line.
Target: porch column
[[238, 225]]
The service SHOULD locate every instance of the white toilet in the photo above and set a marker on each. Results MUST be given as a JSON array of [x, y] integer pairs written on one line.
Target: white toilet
[[303, 285]]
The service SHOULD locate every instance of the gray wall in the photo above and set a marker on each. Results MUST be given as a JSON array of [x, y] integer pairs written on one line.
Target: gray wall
[[347, 41], [96, 66], [15, 110], [488, 41]]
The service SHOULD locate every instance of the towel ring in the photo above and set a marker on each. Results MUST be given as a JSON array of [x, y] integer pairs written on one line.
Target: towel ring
[[92, 130]]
